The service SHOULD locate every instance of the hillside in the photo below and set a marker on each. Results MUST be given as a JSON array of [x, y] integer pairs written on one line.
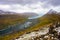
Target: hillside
[[44, 21], [50, 20], [51, 16], [10, 19]]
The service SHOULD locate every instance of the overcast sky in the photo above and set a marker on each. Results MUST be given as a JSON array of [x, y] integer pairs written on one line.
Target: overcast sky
[[37, 6]]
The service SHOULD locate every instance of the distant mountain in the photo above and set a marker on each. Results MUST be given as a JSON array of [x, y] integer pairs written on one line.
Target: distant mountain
[[50, 17], [46, 20], [11, 18], [51, 11], [27, 14], [1, 12]]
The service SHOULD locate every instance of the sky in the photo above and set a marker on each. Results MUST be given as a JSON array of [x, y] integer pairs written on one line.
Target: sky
[[36, 6]]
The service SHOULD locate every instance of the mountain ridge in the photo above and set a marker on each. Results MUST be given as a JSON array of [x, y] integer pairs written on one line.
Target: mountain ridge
[[27, 14]]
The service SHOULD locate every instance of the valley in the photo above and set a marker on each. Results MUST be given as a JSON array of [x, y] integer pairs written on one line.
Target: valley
[[35, 25]]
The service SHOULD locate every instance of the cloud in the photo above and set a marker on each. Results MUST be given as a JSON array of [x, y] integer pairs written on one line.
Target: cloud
[[51, 2], [18, 1], [37, 6], [47, 3], [4, 7], [23, 2], [54, 2]]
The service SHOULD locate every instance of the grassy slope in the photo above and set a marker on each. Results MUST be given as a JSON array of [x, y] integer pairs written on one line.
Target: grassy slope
[[44, 20], [8, 19]]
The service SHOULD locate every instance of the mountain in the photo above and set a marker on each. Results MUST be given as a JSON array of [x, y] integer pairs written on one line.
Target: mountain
[[51, 11], [10, 19], [50, 17], [27, 14], [5, 12]]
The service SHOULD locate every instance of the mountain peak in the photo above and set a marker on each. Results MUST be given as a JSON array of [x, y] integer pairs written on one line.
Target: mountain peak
[[52, 11]]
